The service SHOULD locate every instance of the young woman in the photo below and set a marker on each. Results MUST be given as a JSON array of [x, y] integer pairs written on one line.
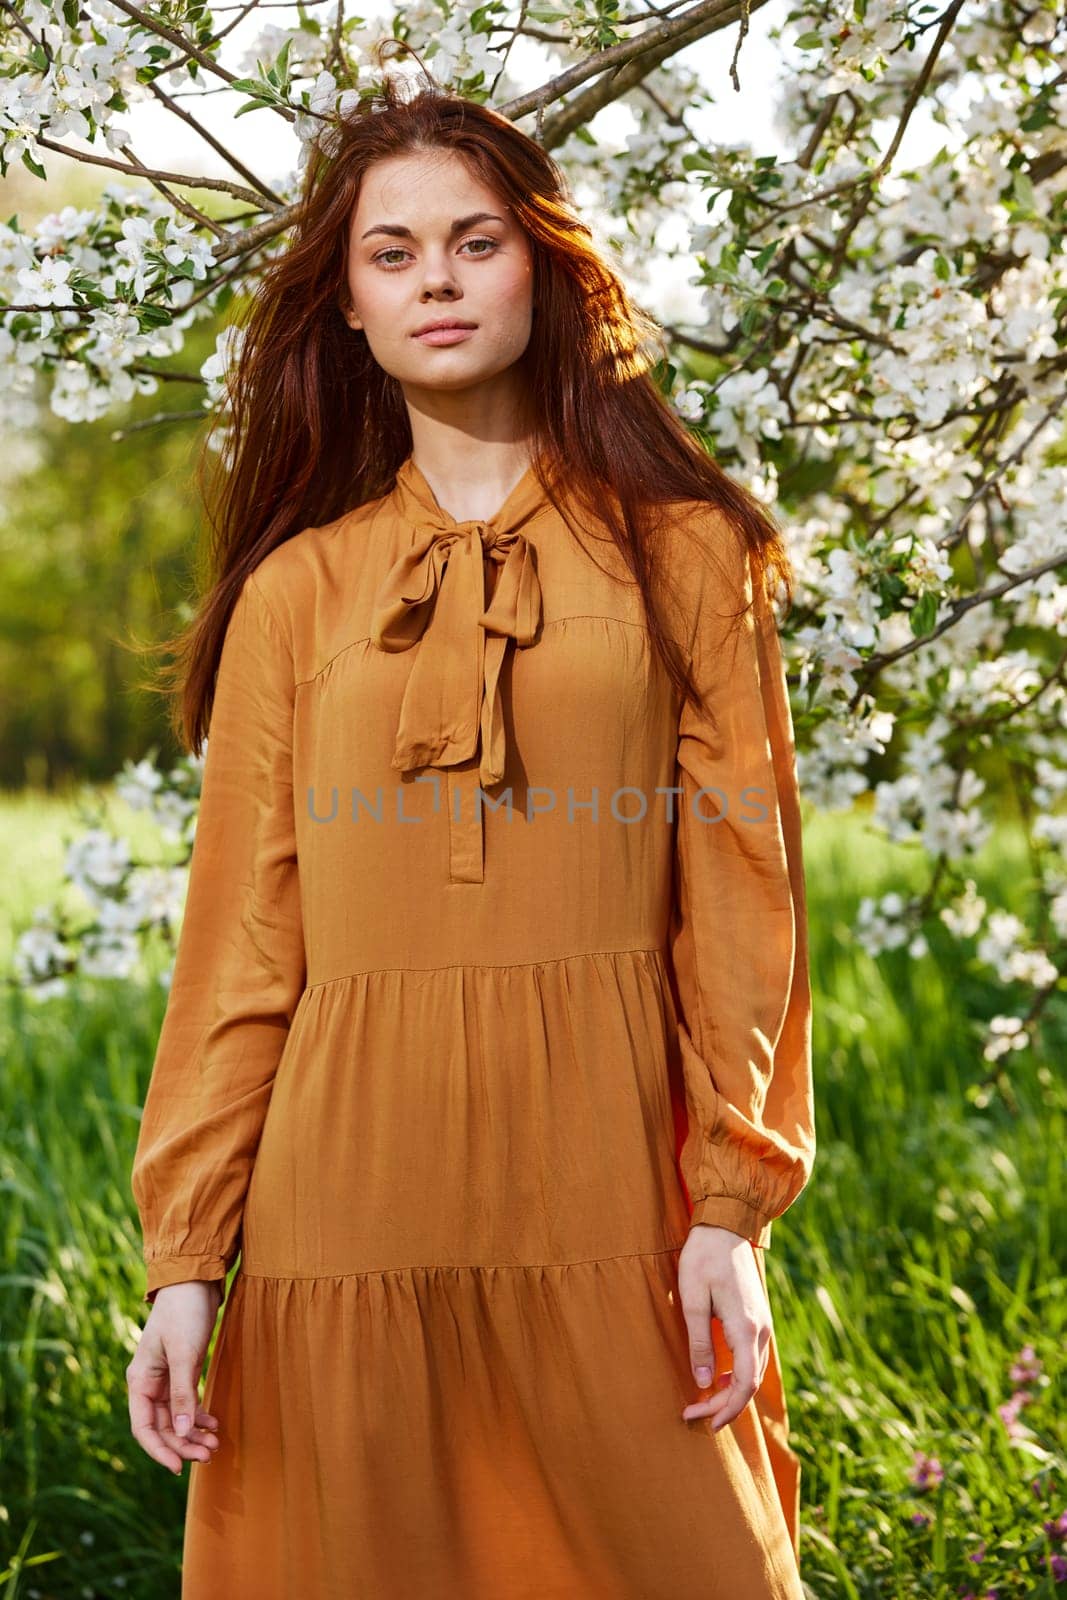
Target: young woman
[[488, 1041]]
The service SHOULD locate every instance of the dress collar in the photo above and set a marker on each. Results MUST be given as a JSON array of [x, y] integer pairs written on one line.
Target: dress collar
[[416, 502]]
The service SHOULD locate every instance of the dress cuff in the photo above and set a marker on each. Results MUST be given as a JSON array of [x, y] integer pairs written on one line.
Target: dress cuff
[[162, 1271], [727, 1211]]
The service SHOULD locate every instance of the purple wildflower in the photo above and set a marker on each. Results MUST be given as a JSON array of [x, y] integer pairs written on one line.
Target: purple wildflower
[[1057, 1529], [1026, 1367], [926, 1471], [1009, 1412]]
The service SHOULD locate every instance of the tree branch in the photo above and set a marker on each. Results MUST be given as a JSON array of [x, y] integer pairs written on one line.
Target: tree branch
[[877, 663], [660, 41], [216, 144], [223, 185]]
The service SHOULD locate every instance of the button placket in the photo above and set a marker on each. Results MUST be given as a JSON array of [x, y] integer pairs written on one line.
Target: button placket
[[466, 826]]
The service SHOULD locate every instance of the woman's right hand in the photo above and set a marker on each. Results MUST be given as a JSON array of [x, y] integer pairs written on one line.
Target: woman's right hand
[[163, 1378]]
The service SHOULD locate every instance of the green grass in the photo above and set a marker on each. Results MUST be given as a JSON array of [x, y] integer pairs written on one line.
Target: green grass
[[905, 1280]]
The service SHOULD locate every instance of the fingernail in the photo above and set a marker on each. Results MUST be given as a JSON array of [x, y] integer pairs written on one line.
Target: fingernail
[[703, 1376], [181, 1422]]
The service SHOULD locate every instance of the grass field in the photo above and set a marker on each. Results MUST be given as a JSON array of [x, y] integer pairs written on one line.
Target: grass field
[[917, 1284]]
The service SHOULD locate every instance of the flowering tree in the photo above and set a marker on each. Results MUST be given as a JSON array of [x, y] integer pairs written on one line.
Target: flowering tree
[[881, 352]]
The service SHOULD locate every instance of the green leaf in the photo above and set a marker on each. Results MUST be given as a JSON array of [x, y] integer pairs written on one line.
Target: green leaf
[[153, 316], [1038, 118], [308, 23], [923, 614], [34, 166], [809, 41], [1023, 190], [737, 208]]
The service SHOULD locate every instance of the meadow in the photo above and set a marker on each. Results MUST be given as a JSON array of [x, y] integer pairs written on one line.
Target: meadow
[[917, 1284]]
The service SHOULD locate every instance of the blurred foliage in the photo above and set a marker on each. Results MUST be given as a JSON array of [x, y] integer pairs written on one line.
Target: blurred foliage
[[98, 542]]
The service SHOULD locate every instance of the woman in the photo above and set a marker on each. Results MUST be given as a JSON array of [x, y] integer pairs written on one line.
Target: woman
[[488, 1042]]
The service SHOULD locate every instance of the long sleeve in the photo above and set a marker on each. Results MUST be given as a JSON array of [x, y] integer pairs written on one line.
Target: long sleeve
[[738, 943], [239, 968]]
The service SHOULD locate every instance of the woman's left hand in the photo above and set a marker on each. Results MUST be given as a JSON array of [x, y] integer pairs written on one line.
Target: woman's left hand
[[718, 1275]]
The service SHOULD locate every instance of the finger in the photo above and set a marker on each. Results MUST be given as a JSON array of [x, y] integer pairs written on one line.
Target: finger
[[143, 1428], [696, 1308], [721, 1381], [746, 1360], [205, 1424], [191, 1446], [738, 1390], [196, 1435], [184, 1399], [724, 1406]]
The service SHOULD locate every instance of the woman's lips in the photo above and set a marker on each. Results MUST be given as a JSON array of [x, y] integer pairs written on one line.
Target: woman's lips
[[444, 335]]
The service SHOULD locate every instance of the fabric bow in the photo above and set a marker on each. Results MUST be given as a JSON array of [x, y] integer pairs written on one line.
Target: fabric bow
[[436, 592]]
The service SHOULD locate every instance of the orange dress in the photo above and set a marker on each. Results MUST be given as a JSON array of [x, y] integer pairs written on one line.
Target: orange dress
[[473, 1011]]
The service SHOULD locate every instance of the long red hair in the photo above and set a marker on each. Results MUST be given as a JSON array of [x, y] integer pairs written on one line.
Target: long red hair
[[317, 427]]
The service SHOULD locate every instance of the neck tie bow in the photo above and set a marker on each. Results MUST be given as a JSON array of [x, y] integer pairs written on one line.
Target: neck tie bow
[[436, 593]]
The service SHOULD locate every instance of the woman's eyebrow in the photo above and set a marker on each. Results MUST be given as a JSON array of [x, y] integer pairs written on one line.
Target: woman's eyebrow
[[395, 230]]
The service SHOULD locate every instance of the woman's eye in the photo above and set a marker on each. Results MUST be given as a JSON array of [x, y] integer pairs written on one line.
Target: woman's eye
[[396, 249]]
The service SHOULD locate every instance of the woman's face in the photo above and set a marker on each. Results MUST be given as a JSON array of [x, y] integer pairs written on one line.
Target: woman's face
[[410, 264]]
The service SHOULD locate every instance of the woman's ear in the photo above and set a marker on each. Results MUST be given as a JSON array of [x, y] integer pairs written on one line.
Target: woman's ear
[[347, 312]]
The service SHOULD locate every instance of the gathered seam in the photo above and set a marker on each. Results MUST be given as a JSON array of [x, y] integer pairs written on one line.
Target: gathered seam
[[476, 1266], [489, 966]]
